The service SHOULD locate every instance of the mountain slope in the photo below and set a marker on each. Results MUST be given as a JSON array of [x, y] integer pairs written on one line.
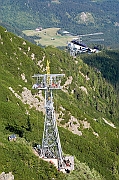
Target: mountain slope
[[77, 17], [88, 129]]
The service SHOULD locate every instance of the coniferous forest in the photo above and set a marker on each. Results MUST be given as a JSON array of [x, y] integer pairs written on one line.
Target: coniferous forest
[[77, 17]]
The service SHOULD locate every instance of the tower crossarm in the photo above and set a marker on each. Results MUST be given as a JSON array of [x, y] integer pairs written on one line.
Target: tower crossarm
[[51, 81]]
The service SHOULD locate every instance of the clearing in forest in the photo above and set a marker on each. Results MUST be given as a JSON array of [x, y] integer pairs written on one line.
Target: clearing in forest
[[49, 36]]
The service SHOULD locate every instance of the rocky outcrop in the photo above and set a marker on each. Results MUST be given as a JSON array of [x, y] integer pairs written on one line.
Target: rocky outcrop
[[7, 176]]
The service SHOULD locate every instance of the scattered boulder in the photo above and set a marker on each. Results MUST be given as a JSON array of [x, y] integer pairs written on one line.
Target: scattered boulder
[[7, 176]]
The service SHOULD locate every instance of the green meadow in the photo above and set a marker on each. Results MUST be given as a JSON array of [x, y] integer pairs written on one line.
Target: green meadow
[[49, 36]]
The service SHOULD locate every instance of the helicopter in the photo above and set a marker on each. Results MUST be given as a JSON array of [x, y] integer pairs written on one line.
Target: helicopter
[[76, 46]]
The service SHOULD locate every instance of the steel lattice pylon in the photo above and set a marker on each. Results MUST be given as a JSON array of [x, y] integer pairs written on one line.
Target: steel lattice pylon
[[51, 146]]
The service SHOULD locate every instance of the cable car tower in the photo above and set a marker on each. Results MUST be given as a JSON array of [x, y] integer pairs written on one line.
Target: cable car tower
[[51, 146]]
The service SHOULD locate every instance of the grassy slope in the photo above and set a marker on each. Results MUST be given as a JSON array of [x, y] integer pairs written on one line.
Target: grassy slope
[[100, 154], [18, 157]]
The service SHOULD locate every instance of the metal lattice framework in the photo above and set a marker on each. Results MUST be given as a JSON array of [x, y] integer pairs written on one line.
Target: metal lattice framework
[[51, 146]]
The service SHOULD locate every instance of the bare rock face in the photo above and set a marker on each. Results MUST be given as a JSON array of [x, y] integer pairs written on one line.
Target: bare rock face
[[7, 176]]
